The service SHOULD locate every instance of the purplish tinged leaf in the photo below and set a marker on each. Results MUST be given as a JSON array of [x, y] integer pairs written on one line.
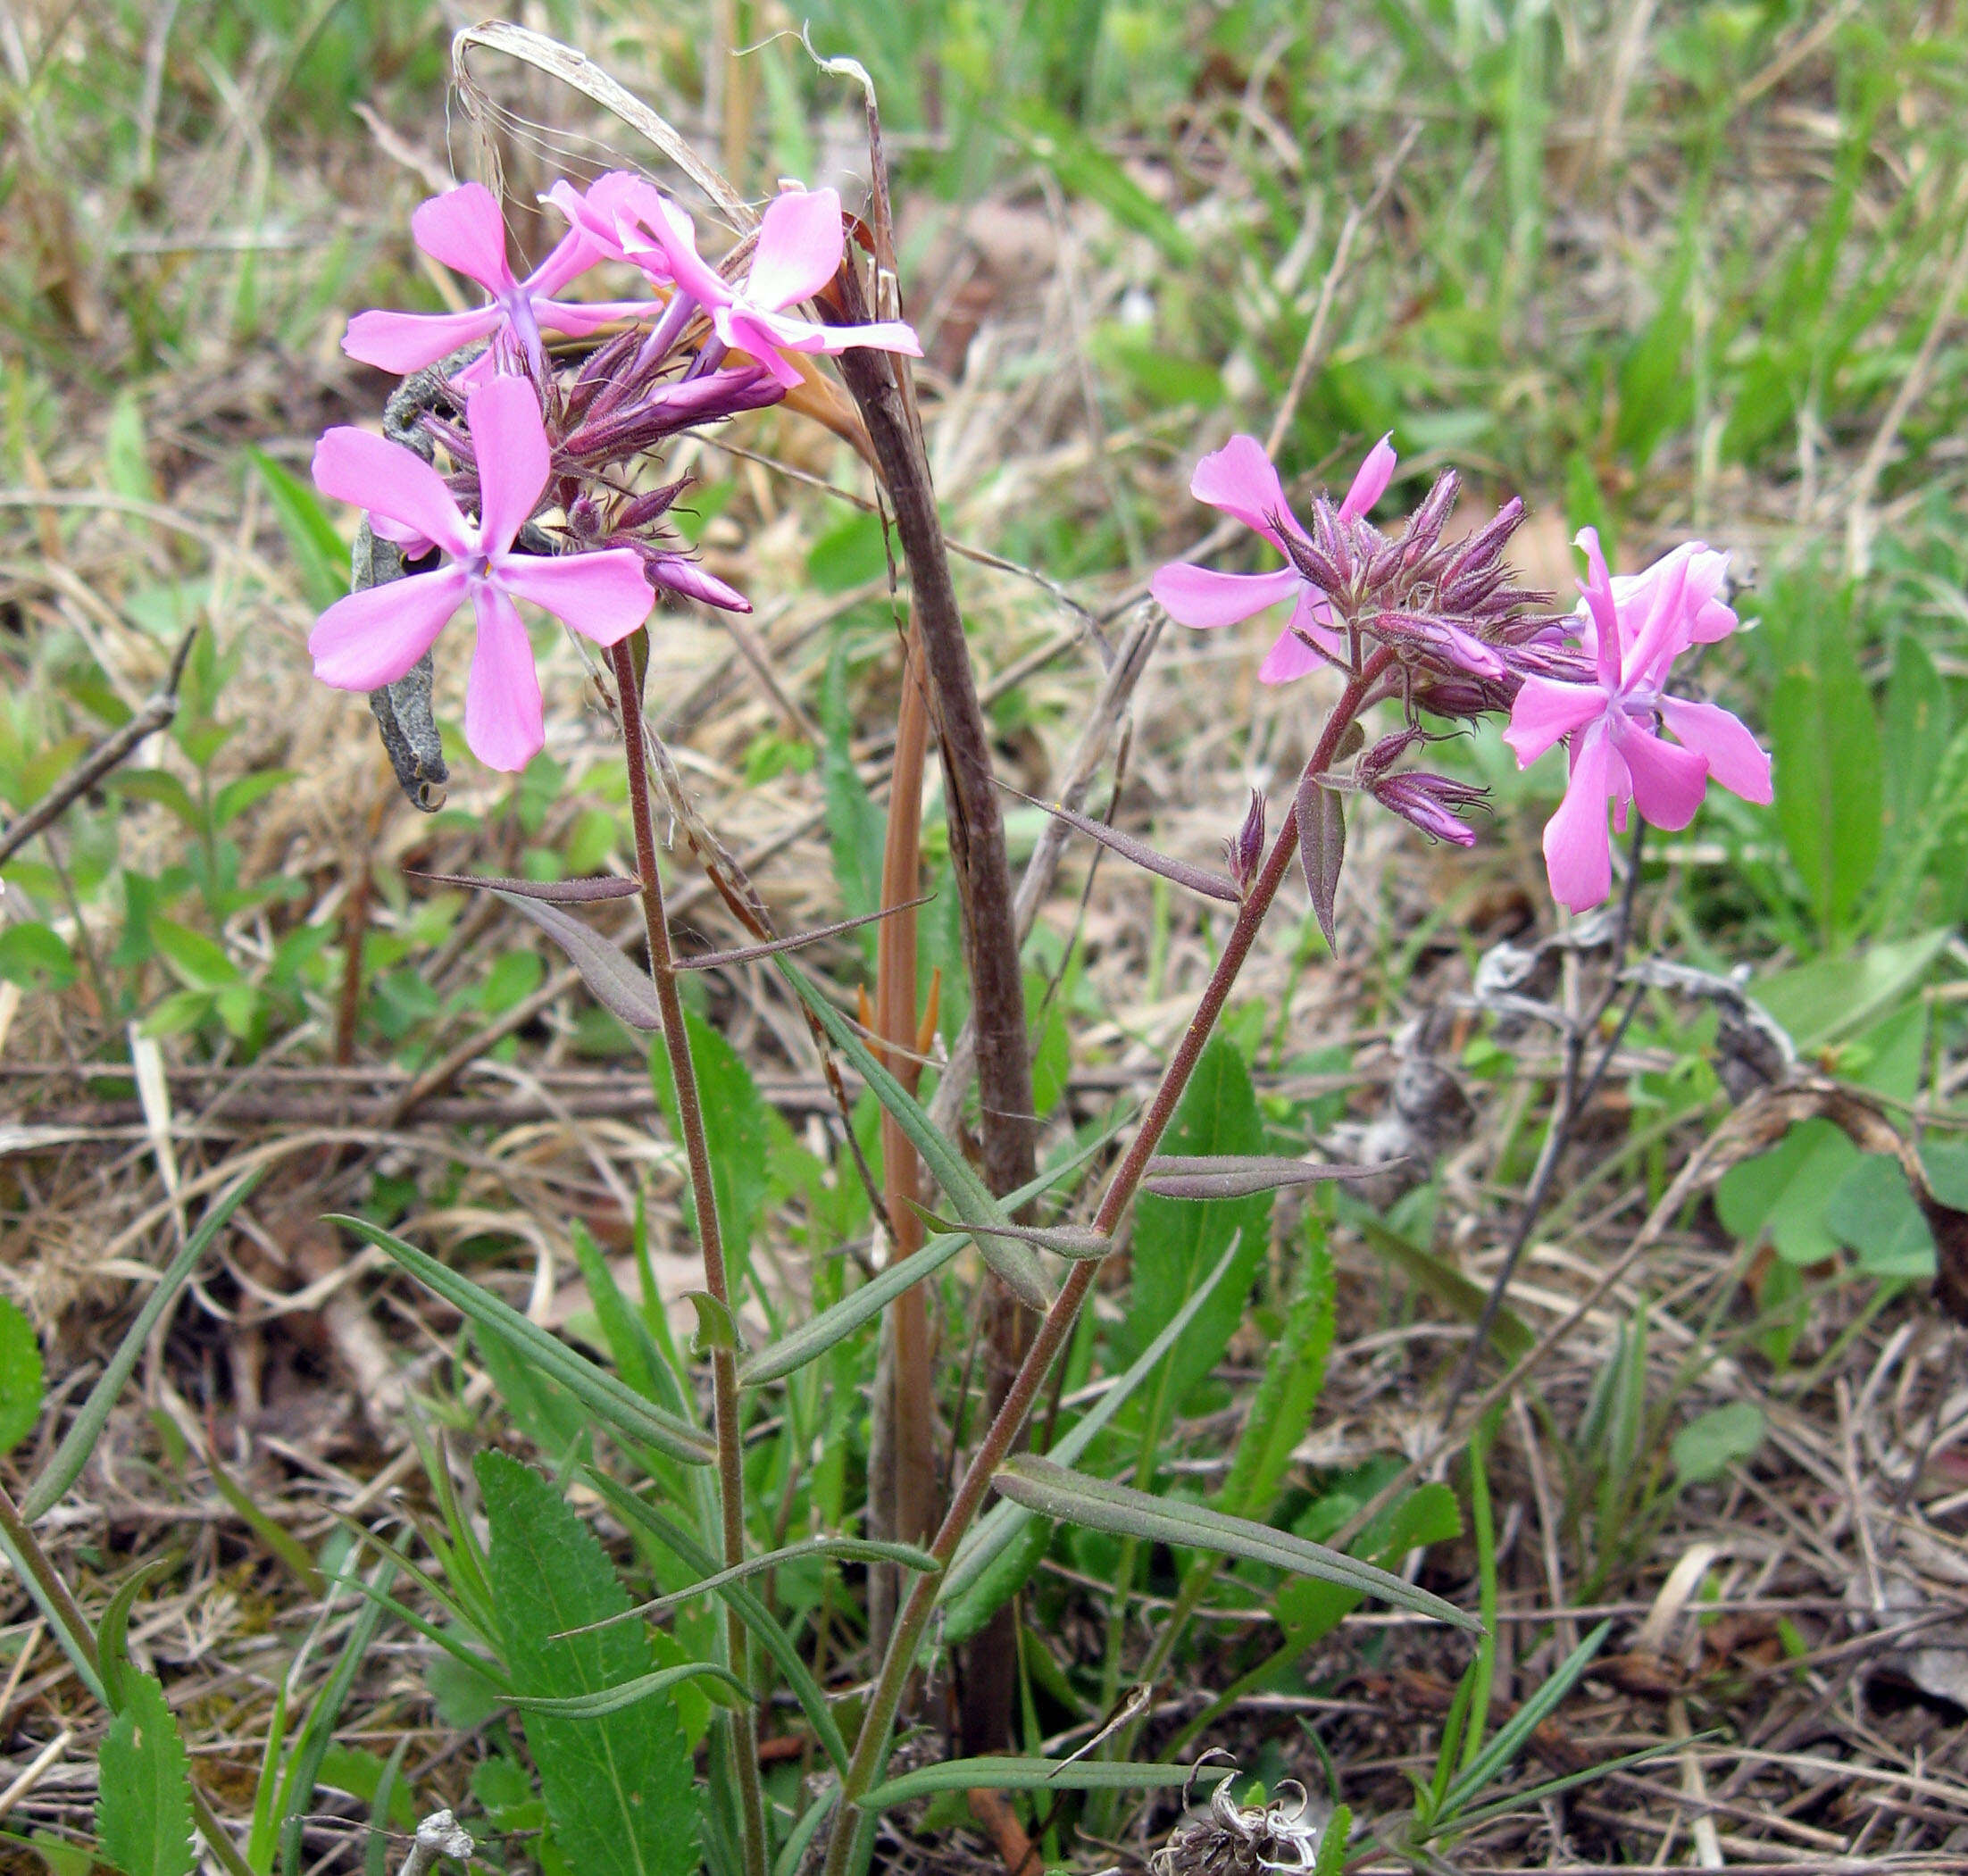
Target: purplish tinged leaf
[[617, 984], [618, 1786], [1321, 849], [143, 1800]]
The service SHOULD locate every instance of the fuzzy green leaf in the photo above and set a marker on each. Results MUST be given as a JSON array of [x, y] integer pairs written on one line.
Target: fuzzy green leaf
[[21, 1379], [143, 1800], [618, 1786]]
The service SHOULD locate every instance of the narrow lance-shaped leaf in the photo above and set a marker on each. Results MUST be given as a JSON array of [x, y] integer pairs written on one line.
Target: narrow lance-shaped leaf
[[1198, 879], [1041, 1486], [857, 1550], [617, 984], [995, 1533], [553, 892], [1237, 1175], [1321, 849], [607, 1700], [1012, 1260], [1007, 1774], [610, 1398], [748, 953], [810, 1340], [1065, 1240]]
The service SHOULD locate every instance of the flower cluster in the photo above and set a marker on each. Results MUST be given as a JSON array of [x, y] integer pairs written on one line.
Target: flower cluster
[[1443, 627], [547, 496]]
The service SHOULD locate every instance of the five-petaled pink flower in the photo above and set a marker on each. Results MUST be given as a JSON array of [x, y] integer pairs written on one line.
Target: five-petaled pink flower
[[797, 252], [373, 638], [1240, 479], [465, 230], [1634, 629]]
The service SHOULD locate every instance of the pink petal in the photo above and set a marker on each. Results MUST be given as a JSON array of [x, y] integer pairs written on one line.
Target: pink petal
[[680, 574], [678, 239], [1372, 482], [1203, 598], [603, 596], [880, 334], [584, 211], [392, 482], [1597, 588], [798, 250], [1578, 855], [1545, 710], [1668, 780], [1240, 479], [501, 696], [373, 638], [1734, 758], [750, 334], [407, 342], [1661, 634], [463, 228], [511, 443], [570, 256], [1288, 657], [581, 317]]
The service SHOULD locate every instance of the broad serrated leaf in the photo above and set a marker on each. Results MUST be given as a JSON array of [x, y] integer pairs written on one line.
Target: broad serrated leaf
[[618, 985], [766, 1627], [1321, 849], [618, 1786], [143, 1800], [1013, 1261], [1100, 1505], [20, 1378], [605, 1396]]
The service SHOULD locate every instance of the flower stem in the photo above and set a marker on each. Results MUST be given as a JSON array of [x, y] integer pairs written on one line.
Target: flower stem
[[743, 1726], [871, 1744]]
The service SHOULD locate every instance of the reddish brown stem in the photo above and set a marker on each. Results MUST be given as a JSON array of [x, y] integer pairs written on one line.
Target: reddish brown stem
[[743, 1725], [872, 1744]]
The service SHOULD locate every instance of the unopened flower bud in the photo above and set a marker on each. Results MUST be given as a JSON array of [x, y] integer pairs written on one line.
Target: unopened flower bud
[[1245, 850], [1431, 803]]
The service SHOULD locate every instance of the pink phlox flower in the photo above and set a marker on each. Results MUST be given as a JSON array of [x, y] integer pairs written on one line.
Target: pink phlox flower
[[1241, 480], [797, 254], [373, 638], [465, 230], [1706, 616], [1612, 725]]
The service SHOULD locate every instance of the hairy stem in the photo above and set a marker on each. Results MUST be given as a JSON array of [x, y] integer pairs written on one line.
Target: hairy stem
[[743, 1726], [870, 1745]]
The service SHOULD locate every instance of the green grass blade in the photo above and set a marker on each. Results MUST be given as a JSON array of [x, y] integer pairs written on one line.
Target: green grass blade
[[603, 1394], [79, 1441], [1527, 1718]]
